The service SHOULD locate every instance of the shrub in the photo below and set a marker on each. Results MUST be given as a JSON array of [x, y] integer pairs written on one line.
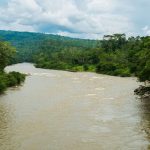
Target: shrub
[[10, 79]]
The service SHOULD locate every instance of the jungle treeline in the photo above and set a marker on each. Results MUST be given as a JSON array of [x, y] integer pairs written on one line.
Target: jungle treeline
[[8, 79], [115, 54]]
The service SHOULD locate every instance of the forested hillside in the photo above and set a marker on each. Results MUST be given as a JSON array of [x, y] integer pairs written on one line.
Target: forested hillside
[[114, 55], [28, 44]]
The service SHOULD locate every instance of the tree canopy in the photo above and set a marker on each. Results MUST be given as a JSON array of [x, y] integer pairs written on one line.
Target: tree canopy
[[114, 54], [6, 53], [13, 78]]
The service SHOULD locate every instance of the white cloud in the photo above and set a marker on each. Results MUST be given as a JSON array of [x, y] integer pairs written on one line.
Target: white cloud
[[80, 35], [146, 30], [15, 26], [98, 6], [72, 17]]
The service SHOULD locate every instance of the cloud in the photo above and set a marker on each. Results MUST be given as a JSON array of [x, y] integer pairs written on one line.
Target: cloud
[[146, 30], [15, 26], [76, 18]]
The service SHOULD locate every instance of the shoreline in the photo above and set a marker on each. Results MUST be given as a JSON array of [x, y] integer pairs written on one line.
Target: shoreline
[[143, 91]]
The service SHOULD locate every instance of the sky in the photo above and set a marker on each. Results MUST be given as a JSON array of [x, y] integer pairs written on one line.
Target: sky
[[77, 18]]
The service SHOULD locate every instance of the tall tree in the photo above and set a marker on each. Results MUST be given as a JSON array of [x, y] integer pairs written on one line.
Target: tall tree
[[6, 53]]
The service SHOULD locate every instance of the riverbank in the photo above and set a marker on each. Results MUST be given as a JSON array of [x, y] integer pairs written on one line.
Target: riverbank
[[10, 79], [143, 91]]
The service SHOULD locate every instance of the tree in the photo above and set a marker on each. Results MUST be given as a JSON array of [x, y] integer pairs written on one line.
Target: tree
[[6, 53]]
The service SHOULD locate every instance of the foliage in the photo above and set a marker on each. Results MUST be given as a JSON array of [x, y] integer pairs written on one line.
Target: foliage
[[3, 82], [114, 55], [15, 78], [6, 53], [27, 44], [10, 79]]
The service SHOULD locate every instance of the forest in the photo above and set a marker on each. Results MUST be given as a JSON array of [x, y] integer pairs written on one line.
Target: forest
[[8, 79], [115, 54]]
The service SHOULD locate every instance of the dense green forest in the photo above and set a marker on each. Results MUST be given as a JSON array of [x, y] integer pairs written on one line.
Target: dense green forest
[[12, 78], [113, 55], [28, 44]]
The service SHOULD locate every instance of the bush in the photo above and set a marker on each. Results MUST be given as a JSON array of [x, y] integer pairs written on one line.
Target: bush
[[125, 72], [77, 68], [3, 83], [10, 79], [91, 68], [106, 68], [15, 78], [85, 67]]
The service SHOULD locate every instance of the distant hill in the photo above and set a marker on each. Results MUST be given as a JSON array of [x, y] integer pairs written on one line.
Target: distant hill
[[27, 43]]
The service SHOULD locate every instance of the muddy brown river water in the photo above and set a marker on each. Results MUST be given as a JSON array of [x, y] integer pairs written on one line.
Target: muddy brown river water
[[58, 110]]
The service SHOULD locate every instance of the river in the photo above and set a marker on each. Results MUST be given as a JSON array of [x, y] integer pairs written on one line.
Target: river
[[60, 110]]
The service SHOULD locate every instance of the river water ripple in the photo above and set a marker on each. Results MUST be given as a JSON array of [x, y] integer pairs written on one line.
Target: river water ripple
[[58, 110]]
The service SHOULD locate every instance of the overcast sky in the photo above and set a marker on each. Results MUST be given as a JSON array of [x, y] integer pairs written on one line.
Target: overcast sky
[[77, 18]]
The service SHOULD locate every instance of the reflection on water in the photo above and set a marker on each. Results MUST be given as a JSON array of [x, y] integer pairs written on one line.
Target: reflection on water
[[57, 110]]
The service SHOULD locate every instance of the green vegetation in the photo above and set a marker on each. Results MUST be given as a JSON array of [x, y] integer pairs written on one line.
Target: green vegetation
[[6, 54], [114, 55], [28, 44], [12, 78]]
